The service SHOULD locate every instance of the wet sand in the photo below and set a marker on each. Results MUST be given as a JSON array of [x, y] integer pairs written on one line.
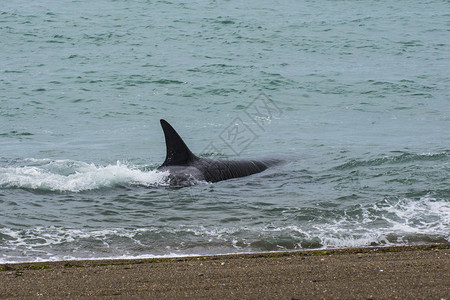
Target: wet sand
[[418, 272]]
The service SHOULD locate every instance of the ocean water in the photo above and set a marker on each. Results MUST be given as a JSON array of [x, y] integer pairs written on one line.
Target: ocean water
[[352, 95]]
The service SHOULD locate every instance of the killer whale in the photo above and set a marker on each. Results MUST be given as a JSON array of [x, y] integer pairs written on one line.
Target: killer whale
[[183, 165]]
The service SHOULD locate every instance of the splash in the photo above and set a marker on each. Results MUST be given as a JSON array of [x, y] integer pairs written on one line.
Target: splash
[[76, 176]]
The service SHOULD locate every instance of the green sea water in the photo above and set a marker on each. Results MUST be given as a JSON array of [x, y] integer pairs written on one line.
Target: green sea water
[[353, 95]]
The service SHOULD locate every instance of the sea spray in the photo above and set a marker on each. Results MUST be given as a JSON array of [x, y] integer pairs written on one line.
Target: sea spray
[[76, 176]]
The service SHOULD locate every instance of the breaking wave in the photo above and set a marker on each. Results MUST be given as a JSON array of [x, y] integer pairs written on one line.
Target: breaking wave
[[76, 176], [389, 222]]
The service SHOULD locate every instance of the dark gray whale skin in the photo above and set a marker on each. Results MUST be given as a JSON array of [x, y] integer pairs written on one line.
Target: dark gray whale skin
[[183, 165]]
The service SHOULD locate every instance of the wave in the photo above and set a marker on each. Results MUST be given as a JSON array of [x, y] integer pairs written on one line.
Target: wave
[[389, 222], [76, 176], [402, 157], [392, 221]]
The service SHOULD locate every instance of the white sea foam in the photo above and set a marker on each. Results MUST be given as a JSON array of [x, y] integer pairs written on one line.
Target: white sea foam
[[76, 176], [390, 223], [387, 222]]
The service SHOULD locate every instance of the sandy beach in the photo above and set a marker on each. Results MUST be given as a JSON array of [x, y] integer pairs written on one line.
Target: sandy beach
[[417, 272]]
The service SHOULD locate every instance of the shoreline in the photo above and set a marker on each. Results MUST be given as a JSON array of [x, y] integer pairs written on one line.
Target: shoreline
[[304, 252], [361, 273]]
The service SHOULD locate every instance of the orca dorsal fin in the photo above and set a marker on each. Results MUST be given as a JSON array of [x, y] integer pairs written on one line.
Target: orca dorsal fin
[[177, 153]]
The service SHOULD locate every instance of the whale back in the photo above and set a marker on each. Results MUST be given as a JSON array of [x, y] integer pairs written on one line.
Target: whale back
[[214, 170]]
